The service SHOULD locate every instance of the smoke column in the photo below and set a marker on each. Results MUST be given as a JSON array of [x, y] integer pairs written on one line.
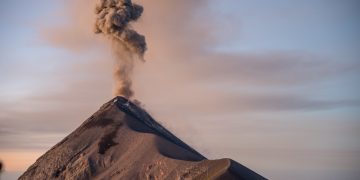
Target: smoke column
[[113, 18]]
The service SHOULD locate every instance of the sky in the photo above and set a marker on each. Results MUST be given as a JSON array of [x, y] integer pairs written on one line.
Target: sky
[[271, 84]]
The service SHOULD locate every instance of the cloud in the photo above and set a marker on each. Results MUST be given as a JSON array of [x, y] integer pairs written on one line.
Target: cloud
[[179, 38], [260, 100], [180, 68], [269, 69], [74, 30], [285, 102]]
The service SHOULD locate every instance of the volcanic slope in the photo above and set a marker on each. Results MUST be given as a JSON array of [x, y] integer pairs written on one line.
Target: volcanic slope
[[122, 141]]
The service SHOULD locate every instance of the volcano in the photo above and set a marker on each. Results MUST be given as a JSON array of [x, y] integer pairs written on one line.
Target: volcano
[[122, 141]]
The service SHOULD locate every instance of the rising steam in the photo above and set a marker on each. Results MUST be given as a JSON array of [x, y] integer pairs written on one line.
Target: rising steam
[[113, 18]]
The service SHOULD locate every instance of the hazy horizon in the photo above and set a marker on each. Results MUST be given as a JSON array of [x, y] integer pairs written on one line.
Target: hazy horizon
[[272, 85]]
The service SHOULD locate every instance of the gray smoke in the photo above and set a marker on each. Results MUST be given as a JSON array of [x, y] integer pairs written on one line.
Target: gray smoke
[[113, 18]]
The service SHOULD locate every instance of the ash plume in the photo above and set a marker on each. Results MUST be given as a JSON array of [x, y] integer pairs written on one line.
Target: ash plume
[[113, 18]]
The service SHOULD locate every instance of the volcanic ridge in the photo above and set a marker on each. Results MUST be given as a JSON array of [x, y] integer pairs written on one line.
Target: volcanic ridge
[[122, 141]]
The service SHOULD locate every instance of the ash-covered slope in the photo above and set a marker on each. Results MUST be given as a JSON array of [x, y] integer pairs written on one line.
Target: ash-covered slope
[[122, 141]]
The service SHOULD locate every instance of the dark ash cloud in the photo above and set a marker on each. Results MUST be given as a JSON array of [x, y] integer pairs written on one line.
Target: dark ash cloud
[[113, 18]]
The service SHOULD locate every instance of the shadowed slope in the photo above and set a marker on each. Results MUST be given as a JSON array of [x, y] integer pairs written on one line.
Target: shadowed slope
[[122, 141]]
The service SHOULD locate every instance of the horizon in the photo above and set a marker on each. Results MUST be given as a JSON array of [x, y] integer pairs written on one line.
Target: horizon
[[272, 85]]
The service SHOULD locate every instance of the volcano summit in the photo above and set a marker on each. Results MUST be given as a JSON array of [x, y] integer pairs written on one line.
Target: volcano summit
[[122, 141]]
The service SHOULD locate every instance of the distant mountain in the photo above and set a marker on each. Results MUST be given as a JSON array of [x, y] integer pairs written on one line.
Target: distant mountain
[[122, 141]]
